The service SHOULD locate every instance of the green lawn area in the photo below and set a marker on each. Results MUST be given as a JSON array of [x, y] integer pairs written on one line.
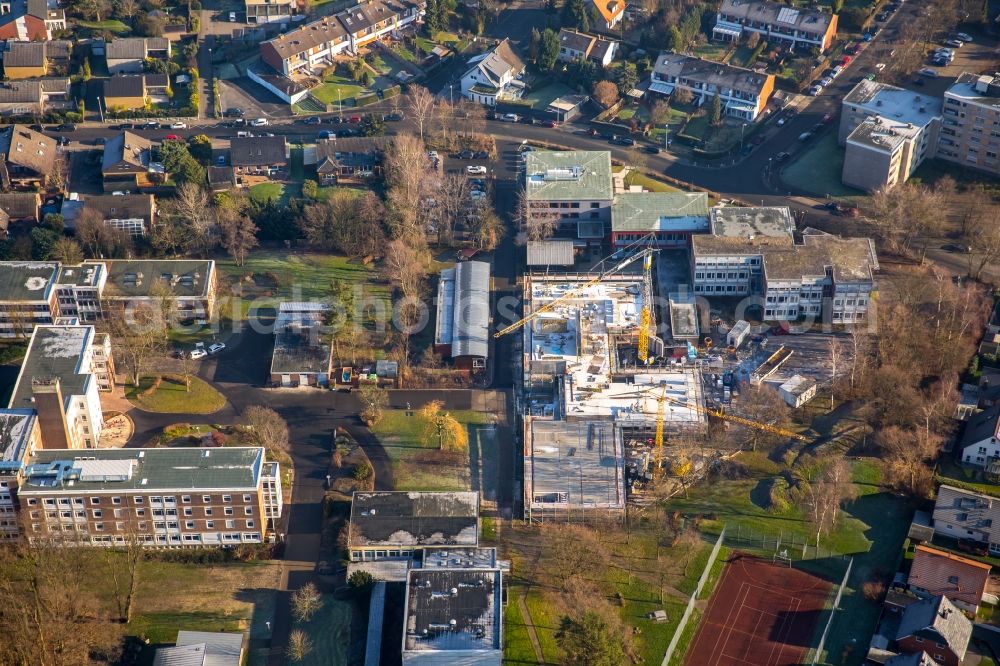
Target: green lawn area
[[296, 167], [542, 97], [425, 45], [818, 168], [698, 126], [444, 37], [301, 274], [330, 632], [637, 178], [347, 89], [416, 464], [517, 642], [280, 192], [711, 51], [406, 54], [110, 25], [965, 477], [740, 55], [172, 397]]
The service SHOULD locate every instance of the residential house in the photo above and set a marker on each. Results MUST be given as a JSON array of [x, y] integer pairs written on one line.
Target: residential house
[[269, 11], [134, 214], [494, 75], [128, 55], [743, 93], [127, 163], [203, 648], [369, 21], [462, 326], [19, 438], [259, 156], [964, 514], [126, 92], [349, 160], [669, 217], [30, 20], [911, 659], [49, 12], [888, 132], [936, 572], [934, 625], [752, 251], [21, 206], [161, 497], [28, 158], [391, 528], [611, 12], [26, 60], [307, 49], [798, 26], [453, 616], [575, 45], [190, 283], [981, 440], [35, 97], [61, 377], [302, 352], [572, 190]]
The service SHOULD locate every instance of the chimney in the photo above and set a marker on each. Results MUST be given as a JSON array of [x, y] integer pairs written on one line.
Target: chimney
[[47, 396]]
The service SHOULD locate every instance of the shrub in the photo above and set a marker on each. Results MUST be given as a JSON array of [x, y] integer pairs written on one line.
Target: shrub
[[360, 580], [363, 471], [873, 590]]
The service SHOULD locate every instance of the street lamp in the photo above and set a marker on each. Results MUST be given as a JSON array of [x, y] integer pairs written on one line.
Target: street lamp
[[742, 129], [327, 480]]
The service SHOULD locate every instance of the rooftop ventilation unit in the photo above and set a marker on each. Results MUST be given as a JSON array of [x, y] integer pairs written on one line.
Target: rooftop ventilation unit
[[568, 173]]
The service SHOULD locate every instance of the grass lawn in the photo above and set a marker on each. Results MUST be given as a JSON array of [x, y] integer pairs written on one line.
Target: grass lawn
[[173, 398], [280, 192], [698, 126], [406, 54], [301, 274], [541, 98], [817, 170], [296, 167], [636, 178], [111, 25], [425, 45], [444, 37], [517, 647], [419, 465], [330, 631], [712, 51], [740, 56], [965, 477], [347, 88]]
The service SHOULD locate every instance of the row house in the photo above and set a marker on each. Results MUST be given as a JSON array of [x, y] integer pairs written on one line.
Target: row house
[[799, 27], [743, 93], [965, 514], [349, 160], [575, 45], [35, 97], [161, 498], [752, 252]]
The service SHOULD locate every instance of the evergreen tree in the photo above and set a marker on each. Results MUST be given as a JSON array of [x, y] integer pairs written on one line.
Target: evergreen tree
[[628, 78], [432, 18], [675, 40], [716, 109], [575, 15], [534, 45], [548, 51]]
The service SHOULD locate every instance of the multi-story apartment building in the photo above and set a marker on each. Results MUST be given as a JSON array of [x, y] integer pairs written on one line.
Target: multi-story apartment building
[[312, 47], [888, 132], [970, 132], [800, 27], [78, 291], [743, 93], [670, 217], [169, 497], [572, 190], [20, 436], [27, 297], [964, 514], [752, 252], [61, 377]]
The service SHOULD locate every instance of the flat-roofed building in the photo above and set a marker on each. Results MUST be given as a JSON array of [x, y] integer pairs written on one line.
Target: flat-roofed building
[[743, 93], [189, 283], [269, 11], [19, 438], [669, 217], [78, 289], [301, 355], [752, 251], [27, 296], [797, 26], [166, 497], [454, 617], [462, 326], [571, 190], [970, 133]]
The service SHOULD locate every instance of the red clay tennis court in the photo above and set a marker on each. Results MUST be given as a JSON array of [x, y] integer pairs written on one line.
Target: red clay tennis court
[[761, 614]]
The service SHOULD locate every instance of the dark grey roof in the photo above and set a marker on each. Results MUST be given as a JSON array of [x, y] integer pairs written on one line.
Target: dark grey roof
[[125, 85], [28, 148], [258, 151], [415, 518], [27, 280], [449, 610], [576, 41], [300, 347], [126, 147], [16, 427], [937, 617], [24, 54], [134, 278], [166, 468], [311, 35], [981, 425], [121, 207], [134, 48], [220, 175], [470, 336], [557, 252], [20, 205]]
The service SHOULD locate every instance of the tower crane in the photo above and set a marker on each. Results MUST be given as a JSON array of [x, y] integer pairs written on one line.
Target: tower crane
[[646, 316], [573, 293]]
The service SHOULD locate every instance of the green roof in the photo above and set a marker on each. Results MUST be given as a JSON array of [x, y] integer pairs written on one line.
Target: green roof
[[27, 280], [660, 211], [54, 352], [571, 175], [147, 469], [135, 279]]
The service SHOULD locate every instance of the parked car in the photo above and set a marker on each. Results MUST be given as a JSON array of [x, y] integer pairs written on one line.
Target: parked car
[[354, 120], [845, 61], [465, 155], [549, 123], [652, 150], [510, 117], [66, 127], [392, 117], [232, 17], [805, 136], [216, 348], [825, 81], [327, 134], [954, 43], [827, 118], [173, 137], [623, 141], [815, 90], [198, 353], [964, 37], [475, 170], [781, 157], [481, 155], [178, 125], [928, 72], [234, 112], [477, 183], [259, 122], [312, 120]]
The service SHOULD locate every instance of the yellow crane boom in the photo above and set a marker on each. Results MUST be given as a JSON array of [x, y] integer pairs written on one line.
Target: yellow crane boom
[[572, 293]]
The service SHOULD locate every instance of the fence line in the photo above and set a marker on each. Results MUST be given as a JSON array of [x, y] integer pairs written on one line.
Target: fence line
[[833, 613], [798, 547], [694, 598]]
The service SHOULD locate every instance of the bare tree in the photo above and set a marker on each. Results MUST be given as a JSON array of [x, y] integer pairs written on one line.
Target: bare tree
[[268, 428], [306, 601], [487, 229], [980, 232], [67, 251], [190, 210], [420, 102], [139, 333], [452, 200], [763, 404], [905, 213], [406, 267], [99, 240], [410, 183], [239, 234], [299, 645], [122, 563], [825, 494], [605, 93], [907, 459], [374, 400], [538, 224]]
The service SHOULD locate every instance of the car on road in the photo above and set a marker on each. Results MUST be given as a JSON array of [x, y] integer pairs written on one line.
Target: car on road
[[954, 43], [465, 155], [510, 117], [825, 81], [940, 62], [879, 66], [312, 120], [827, 118], [234, 112], [623, 141], [477, 194], [963, 37], [232, 17], [173, 137], [475, 170], [259, 122], [549, 123], [327, 134], [66, 127], [481, 155], [198, 353], [852, 50], [216, 348], [178, 125], [928, 72], [805, 136], [815, 90], [354, 120], [652, 150], [961, 248]]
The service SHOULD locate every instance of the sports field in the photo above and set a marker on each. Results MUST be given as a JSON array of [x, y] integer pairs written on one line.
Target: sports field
[[761, 614]]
